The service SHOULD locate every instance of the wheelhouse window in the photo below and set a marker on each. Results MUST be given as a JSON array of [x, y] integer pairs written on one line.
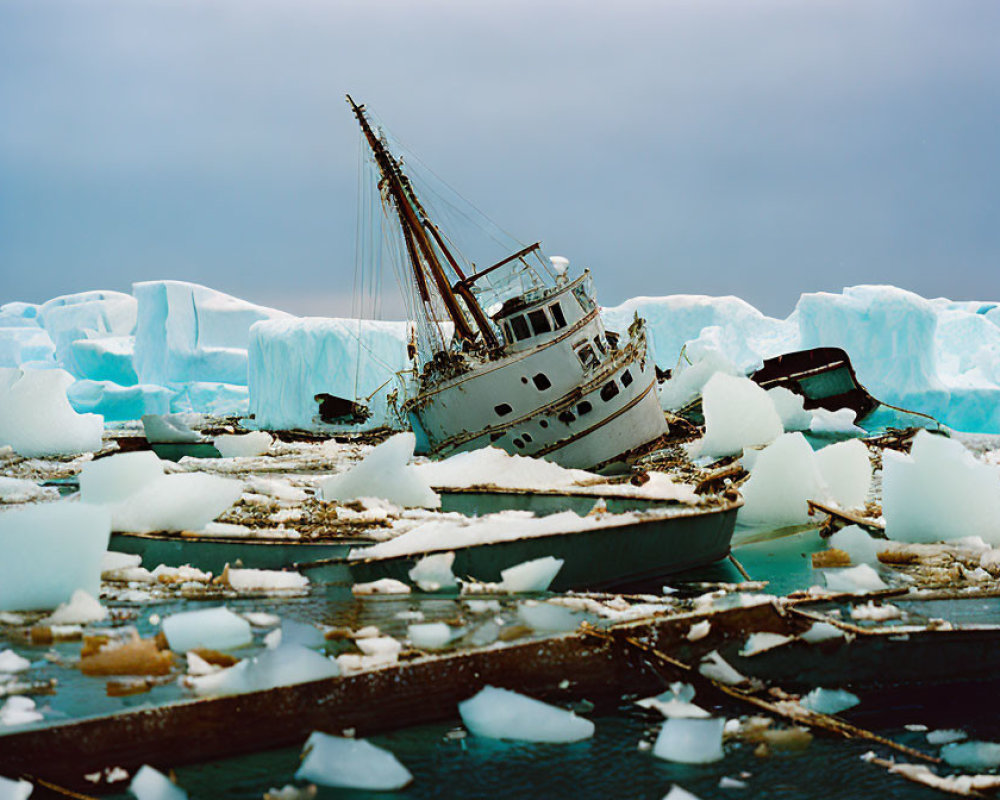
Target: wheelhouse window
[[626, 378], [587, 356], [507, 332], [520, 327], [600, 346], [541, 381], [557, 316], [608, 391], [539, 321], [584, 299]]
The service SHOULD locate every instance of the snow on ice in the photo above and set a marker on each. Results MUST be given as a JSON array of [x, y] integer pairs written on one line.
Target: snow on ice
[[502, 714]]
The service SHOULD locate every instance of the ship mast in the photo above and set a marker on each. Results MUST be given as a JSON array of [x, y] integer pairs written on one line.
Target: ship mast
[[418, 230]]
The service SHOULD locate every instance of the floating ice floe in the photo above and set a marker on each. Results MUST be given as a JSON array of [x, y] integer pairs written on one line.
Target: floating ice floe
[[530, 576], [763, 641], [151, 784], [18, 710], [502, 714], [738, 414], [36, 418], [829, 701], [548, 617], [245, 445], [429, 635], [50, 551], [946, 736], [715, 667], [939, 492], [81, 608], [350, 764], [386, 473], [15, 789], [284, 665], [215, 628], [690, 740], [267, 580], [11, 662], [142, 499], [978, 756], [433, 573]]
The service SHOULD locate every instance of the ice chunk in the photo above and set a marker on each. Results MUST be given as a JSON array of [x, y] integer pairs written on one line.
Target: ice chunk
[[676, 702], [972, 756], [268, 580], [821, 632], [859, 579], [762, 642], [149, 784], [680, 793], [725, 782], [378, 645], [36, 418], [784, 477], [857, 543], [829, 701], [846, 471], [50, 551], [502, 714], [109, 480], [294, 360], [243, 446], [385, 472], [16, 490], [738, 414], [840, 421], [350, 764], [790, 408], [878, 613], [381, 586], [429, 635], [288, 664], [699, 630], [168, 428], [433, 573], [18, 710], [93, 315], [14, 789], [216, 628], [530, 576], [690, 741], [715, 667], [686, 381], [939, 492], [106, 359], [142, 499], [946, 736], [548, 617], [81, 608], [114, 402], [11, 662]]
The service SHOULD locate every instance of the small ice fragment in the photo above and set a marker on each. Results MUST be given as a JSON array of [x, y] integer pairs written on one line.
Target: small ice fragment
[[725, 782], [690, 741], [715, 667], [915, 726], [377, 645], [484, 634], [261, 619], [351, 764], [839, 421], [245, 445], [821, 632], [113, 561], [19, 710], [763, 641], [15, 790], [973, 756], [216, 628], [789, 406], [530, 576], [381, 586], [290, 792], [699, 630], [675, 703], [168, 428], [197, 666], [81, 609], [11, 662], [679, 793], [245, 580], [433, 573], [149, 784], [502, 714], [877, 613], [857, 543], [946, 736], [367, 632], [857, 580], [429, 635], [829, 701], [547, 617], [386, 473]]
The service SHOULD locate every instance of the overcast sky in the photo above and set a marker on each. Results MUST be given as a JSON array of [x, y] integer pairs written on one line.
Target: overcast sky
[[762, 149]]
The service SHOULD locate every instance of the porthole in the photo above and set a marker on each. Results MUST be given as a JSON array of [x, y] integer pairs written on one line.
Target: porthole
[[584, 407], [503, 409], [526, 437], [518, 444], [544, 423], [608, 391], [567, 417], [542, 382], [626, 378]]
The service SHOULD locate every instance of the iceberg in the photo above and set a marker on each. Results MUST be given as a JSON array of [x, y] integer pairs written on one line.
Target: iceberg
[[93, 315], [292, 360], [106, 359], [351, 764], [118, 403], [502, 714], [36, 418], [49, 552]]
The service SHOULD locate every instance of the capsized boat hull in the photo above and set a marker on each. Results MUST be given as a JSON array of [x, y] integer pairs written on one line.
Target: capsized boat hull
[[618, 556]]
